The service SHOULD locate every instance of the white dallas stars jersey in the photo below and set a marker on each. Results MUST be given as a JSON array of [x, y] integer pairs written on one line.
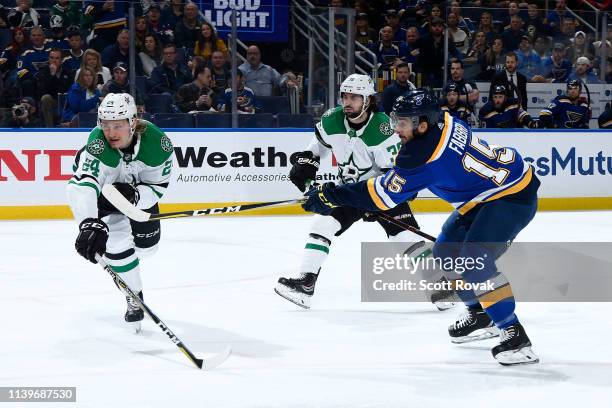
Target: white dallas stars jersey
[[97, 164], [360, 154]]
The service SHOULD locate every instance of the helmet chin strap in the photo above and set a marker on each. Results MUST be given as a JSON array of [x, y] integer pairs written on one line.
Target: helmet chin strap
[[364, 108]]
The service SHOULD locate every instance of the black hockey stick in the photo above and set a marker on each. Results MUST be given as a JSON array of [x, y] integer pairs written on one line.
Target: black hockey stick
[[201, 364], [136, 214], [403, 225]]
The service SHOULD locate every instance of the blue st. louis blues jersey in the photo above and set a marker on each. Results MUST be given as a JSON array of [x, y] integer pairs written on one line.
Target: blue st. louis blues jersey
[[452, 163], [562, 113]]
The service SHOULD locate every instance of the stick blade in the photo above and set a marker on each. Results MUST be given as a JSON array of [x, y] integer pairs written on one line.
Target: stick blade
[[210, 363], [122, 204]]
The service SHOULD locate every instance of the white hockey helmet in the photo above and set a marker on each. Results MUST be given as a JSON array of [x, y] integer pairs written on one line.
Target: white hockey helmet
[[358, 84], [117, 106]]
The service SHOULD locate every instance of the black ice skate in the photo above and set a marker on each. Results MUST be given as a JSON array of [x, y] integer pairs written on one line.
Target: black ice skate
[[472, 325], [134, 314], [298, 291], [444, 299], [514, 347]]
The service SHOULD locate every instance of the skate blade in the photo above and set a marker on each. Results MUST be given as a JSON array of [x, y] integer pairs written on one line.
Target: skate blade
[[481, 334], [299, 299], [517, 357], [442, 306]]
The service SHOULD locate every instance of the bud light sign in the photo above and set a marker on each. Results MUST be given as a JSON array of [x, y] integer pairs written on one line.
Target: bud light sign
[[256, 20]]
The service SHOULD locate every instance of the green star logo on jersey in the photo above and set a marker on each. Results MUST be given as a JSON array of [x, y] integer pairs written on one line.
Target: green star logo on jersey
[[349, 172], [166, 144], [95, 147]]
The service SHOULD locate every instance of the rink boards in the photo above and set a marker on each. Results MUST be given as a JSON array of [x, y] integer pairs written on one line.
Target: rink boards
[[213, 167]]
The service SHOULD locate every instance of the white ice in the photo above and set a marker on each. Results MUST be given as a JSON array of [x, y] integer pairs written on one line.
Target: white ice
[[212, 283]]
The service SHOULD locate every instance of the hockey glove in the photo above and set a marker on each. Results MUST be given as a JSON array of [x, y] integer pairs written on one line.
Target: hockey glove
[[304, 169], [93, 234], [129, 191], [317, 200]]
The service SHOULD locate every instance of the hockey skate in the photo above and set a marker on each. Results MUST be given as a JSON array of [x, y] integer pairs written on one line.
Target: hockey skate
[[472, 325], [298, 291], [444, 299], [514, 347], [134, 314]]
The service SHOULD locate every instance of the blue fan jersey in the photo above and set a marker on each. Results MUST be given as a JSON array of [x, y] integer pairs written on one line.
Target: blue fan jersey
[[452, 163]]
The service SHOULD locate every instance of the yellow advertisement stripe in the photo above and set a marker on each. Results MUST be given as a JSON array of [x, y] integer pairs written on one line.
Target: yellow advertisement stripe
[[420, 205]]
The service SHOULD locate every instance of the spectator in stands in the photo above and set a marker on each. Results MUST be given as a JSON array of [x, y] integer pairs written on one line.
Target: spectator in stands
[[599, 48], [120, 83], [208, 41], [188, 28], [410, 47], [93, 61], [583, 72], [486, 26], [492, 61], [10, 55], [581, 48], [434, 12], [70, 12], [556, 68], [605, 119], [534, 24], [430, 61], [59, 38], [387, 53], [150, 56], [153, 16], [30, 61], [566, 32], [554, 17], [529, 62], [22, 115], [477, 49], [220, 72], [453, 105], [244, 95], [569, 111], [108, 20], [52, 79], [262, 79], [513, 10], [23, 15], [120, 52], [513, 81], [73, 60], [393, 21], [513, 35], [462, 23], [140, 32], [398, 87], [459, 37], [83, 96], [168, 77], [197, 95], [502, 111], [541, 47], [468, 91], [172, 14], [365, 35]]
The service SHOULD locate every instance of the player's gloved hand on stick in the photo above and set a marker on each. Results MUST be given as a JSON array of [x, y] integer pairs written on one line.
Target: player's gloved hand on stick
[[93, 234], [317, 201], [304, 170], [129, 191]]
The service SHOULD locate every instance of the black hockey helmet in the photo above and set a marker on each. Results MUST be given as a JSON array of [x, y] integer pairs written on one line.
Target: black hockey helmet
[[574, 83], [499, 90], [419, 105], [451, 87]]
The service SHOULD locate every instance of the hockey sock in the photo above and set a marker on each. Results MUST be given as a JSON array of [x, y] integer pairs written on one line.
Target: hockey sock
[[499, 303], [315, 253], [127, 265]]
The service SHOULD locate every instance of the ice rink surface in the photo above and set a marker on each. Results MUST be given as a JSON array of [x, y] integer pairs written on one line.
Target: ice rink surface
[[212, 282]]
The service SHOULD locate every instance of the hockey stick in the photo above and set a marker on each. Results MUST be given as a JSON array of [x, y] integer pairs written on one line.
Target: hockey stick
[[122, 204], [401, 224], [206, 364]]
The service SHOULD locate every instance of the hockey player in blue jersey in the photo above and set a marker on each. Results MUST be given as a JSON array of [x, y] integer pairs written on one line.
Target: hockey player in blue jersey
[[504, 112], [494, 193], [569, 111], [452, 103]]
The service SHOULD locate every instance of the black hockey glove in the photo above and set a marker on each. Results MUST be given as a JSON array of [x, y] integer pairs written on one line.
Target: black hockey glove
[[304, 169], [129, 191], [317, 201], [93, 234]]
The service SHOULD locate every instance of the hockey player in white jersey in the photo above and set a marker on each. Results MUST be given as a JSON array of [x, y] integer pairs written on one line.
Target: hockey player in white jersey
[[136, 157], [365, 146]]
